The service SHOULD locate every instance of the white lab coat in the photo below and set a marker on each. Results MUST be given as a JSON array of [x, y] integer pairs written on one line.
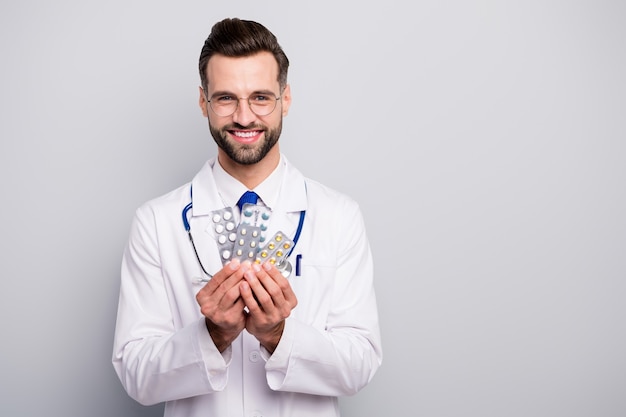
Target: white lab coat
[[331, 343]]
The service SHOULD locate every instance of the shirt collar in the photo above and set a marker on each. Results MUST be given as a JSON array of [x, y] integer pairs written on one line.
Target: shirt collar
[[230, 189]]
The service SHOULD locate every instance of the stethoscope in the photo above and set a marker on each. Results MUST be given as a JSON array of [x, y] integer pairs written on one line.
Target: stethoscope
[[284, 267]]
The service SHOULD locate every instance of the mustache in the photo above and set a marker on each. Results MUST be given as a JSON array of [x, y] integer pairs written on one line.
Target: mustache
[[251, 126]]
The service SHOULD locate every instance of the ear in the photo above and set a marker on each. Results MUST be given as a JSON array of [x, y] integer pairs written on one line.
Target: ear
[[286, 99], [203, 103]]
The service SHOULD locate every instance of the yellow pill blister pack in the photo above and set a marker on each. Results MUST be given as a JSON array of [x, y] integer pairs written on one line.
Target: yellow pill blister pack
[[276, 250]]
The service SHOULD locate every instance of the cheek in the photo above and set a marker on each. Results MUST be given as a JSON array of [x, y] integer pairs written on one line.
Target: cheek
[[214, 121]]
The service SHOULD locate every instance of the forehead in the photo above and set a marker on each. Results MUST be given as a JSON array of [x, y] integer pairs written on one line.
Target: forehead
[[242, 74]]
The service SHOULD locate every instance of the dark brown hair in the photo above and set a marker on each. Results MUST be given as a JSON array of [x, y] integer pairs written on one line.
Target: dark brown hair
[[240, 38]]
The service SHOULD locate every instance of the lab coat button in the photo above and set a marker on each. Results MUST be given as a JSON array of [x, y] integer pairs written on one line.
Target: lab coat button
[[254, 357]]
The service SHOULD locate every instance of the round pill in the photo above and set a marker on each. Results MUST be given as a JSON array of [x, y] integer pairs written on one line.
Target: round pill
[[230, 226], [228, 215], [219, 228], [221, 239], [226, 254]]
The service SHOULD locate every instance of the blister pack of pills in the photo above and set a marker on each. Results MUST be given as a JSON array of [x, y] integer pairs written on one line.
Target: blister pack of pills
[[275, 250], [256, 215], [225, 232], [246, 243]]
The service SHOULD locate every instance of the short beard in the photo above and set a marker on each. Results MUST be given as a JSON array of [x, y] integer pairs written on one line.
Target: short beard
[[246, 154]]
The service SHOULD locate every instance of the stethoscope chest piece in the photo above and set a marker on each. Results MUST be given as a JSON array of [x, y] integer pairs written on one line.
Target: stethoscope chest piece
[[285, 268]]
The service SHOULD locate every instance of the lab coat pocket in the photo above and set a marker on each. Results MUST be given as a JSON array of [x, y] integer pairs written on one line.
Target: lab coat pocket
[[313, 288]]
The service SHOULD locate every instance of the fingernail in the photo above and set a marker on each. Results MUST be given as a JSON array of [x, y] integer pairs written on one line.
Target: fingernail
[[233, 264]]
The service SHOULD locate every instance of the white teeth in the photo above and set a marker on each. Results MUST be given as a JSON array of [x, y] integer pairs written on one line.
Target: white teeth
[[245, 134]]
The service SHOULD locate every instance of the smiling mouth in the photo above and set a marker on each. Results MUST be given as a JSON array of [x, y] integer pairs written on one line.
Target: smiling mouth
[[246, 137], [245, 134]]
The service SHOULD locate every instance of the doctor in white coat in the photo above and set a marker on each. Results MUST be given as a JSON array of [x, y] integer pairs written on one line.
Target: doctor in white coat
[[213, 335]]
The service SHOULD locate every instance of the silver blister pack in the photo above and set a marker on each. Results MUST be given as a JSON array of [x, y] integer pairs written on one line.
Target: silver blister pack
[[225, 229], [246, 243], [256, 215]]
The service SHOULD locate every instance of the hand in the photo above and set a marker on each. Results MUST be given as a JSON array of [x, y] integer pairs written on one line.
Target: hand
[[222, 306], [270, 299]]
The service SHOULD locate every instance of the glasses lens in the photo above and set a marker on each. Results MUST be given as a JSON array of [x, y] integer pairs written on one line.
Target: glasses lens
[[223, 105], [262, 104]]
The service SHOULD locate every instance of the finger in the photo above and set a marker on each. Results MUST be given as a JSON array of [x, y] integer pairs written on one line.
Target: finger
[[224, 279], [232, 299], [211, 297], [270, 286], [223, 274], [259, 293], [227, 311], [275, 283], [249, 298]]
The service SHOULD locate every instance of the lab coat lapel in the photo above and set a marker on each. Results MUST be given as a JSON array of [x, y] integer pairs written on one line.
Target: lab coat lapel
[[206, 200], [291, 201]]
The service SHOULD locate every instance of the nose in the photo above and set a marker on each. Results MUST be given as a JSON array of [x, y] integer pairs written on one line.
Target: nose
[[244, 114]]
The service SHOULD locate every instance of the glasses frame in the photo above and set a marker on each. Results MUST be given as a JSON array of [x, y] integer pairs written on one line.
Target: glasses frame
[[276, 100]]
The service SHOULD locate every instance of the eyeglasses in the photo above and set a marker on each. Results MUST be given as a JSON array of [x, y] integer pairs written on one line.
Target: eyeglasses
[[261, 104]]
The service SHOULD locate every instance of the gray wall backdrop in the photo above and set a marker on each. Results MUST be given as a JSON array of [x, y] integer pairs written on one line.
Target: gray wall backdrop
[[501, 282]]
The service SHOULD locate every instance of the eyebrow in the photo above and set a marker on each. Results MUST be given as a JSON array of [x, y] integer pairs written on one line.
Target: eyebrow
[[228, 93]]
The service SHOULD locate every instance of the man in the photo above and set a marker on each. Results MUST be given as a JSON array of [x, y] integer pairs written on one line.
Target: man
[[216, 331]]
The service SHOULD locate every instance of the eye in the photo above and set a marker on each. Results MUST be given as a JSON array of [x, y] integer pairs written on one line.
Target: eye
[[223, 99], [261, 98]]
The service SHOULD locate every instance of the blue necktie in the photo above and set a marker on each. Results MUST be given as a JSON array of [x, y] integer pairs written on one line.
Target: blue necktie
[[247, 197]]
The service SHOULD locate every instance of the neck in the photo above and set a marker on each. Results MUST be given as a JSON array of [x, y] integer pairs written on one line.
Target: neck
[[250, 175]]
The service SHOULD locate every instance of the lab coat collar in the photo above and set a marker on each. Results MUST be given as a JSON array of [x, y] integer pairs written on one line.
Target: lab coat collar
[[292, 196], [206, 197]]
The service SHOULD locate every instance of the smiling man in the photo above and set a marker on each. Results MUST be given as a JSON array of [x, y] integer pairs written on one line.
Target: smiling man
[[260, 300], [245, 134]]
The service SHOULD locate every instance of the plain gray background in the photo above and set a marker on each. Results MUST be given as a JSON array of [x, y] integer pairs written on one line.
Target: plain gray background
[[501, 281]]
